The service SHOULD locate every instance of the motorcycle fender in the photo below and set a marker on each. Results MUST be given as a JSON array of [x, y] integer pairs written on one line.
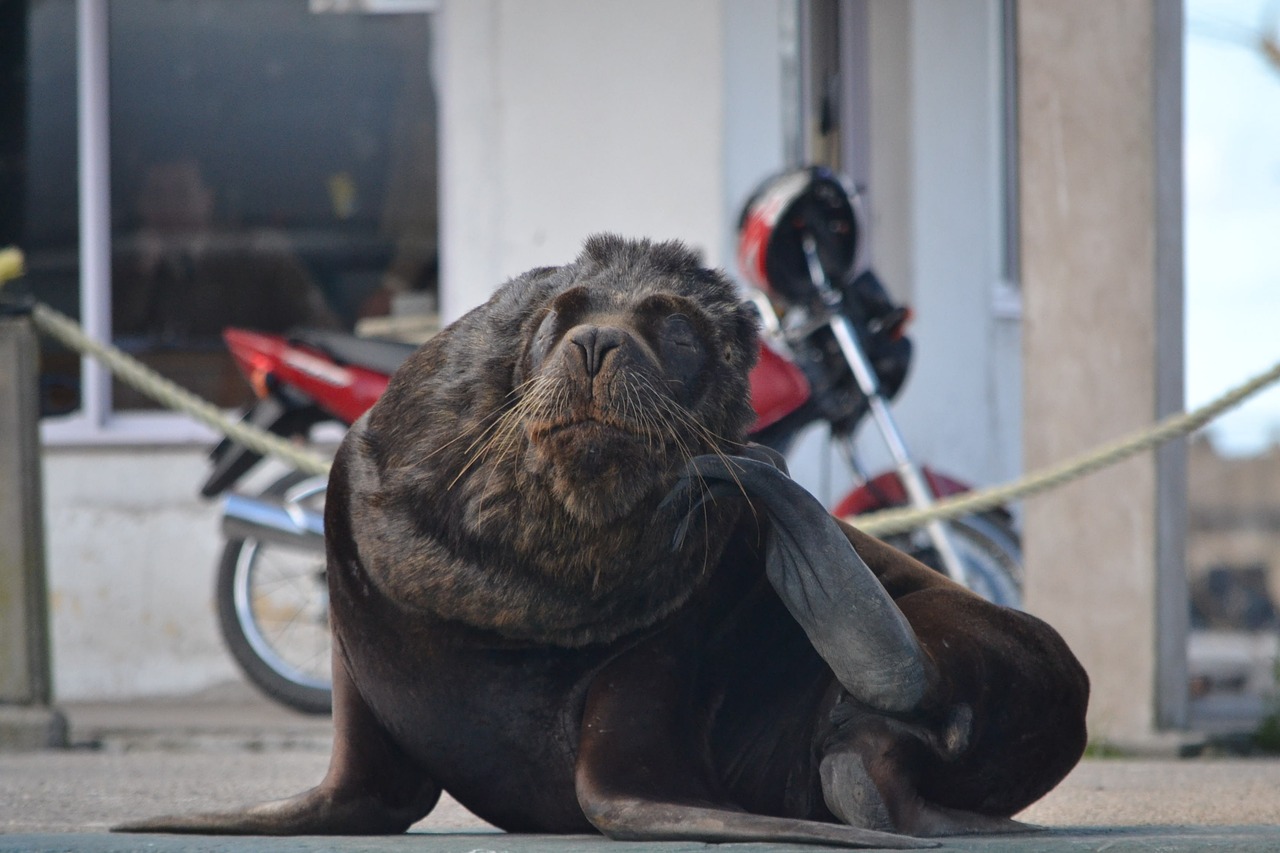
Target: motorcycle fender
[[885, 490]]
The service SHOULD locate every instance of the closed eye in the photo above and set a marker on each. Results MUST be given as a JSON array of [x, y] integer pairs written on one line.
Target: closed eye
[[680, 331]]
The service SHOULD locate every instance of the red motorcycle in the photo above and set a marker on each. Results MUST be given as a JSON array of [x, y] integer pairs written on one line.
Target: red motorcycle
[[798, 241], [836, 352]]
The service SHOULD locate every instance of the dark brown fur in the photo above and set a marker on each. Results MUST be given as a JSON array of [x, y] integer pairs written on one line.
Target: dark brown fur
[[518, 622], [581, 475]]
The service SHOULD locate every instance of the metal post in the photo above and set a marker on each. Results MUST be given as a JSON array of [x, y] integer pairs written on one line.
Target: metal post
[[913, 481], [1172, 589], [26, 685], [918, 492], [94, 146]]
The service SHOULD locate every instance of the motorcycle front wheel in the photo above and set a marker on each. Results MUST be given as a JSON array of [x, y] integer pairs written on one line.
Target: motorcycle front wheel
[[273, 609], [989, 549]]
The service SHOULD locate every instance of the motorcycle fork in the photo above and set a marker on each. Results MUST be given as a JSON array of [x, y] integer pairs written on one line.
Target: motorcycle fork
[[913, 481]]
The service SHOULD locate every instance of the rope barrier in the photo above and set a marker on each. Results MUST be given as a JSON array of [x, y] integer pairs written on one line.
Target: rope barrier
[[881, 523], [887, 522], [129, 370]]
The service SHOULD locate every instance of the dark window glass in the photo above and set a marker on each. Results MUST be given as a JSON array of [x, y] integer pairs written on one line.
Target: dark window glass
[[270, 168]]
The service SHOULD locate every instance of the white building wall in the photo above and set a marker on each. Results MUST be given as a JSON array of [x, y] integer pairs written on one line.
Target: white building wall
[[568, 117], [132, 555], [965, 392], [757, 45]]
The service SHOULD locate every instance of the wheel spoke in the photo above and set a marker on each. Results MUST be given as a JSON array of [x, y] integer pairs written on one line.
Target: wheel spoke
[[284, 616]]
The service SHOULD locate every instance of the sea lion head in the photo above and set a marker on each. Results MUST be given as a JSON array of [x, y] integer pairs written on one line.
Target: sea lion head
[[512, 476], [633, 367]]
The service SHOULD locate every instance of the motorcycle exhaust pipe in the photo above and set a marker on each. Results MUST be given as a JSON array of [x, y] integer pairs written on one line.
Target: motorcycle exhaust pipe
[[268, 520]]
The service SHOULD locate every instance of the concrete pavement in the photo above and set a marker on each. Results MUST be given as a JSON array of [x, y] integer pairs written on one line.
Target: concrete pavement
[[228, 747], [1236, 840]]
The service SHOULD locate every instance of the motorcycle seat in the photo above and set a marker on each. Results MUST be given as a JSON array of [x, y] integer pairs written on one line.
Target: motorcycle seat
[[382, 356]]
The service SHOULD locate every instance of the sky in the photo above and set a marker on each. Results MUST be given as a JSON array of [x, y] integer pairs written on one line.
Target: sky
[[1232, 186]]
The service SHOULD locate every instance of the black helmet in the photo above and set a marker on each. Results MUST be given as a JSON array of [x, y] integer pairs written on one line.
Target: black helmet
[[777, 217]]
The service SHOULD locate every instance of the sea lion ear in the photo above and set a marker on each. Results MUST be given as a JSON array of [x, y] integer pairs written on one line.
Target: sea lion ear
[[740, 335]]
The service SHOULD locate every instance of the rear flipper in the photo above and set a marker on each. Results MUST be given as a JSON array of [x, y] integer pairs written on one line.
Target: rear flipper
[[320, 811], [643, 775], [900, 714], [869, 767]]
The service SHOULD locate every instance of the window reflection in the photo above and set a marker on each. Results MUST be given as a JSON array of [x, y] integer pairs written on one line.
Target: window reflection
[[181, 278], [270, 168]]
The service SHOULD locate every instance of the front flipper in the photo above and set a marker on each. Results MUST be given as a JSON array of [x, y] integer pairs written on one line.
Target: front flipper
[[642, 772], [846, 613], [320, 811], [372, 787]]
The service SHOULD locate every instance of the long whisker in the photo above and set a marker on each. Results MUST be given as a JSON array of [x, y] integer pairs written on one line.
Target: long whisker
[[488, 423], [500, 434], [673, 424], [712, 440], [709, 437]]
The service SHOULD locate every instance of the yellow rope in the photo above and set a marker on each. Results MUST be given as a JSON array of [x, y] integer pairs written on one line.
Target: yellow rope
[[886, 522], [168, 393]]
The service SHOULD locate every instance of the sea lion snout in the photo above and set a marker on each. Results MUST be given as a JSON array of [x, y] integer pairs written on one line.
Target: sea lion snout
[[597, 372], [594, 343], [605, 371], [605, 435]]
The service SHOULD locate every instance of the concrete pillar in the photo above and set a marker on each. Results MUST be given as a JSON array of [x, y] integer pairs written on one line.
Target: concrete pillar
[[1100, 158], [26, 720]]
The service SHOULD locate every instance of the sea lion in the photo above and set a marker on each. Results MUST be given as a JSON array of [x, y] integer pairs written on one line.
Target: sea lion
[[564, 590]]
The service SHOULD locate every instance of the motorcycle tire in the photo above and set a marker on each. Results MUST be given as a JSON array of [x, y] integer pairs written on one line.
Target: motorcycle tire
[[989, 548], [273, 604]]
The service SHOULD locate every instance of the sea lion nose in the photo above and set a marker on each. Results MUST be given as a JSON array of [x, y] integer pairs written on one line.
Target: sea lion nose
[[595, 343]]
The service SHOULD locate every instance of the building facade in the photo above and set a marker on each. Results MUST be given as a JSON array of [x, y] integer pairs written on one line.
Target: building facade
[[488, 137]]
